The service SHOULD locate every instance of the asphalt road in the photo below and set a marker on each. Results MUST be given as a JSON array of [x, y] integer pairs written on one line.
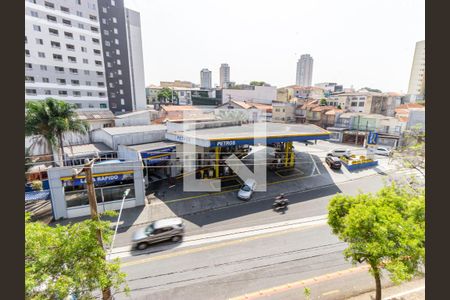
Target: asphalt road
[[225, 256]]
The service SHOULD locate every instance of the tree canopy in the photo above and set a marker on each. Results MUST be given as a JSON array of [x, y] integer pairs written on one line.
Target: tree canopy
[[67, 260], [323, 102], [385, 230], [166, 95], [50, 119], [257, 83]]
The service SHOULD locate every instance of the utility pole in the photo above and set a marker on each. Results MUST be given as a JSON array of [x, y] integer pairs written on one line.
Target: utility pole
[[87, 170], [357, 131]]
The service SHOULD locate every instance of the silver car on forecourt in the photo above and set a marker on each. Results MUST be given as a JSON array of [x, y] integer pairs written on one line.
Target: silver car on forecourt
[[158, 231]]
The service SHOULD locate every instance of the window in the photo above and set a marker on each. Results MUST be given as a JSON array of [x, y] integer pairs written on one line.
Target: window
[[40, 41], [113, 105], [45, 79], [353, 104], [121, 82], [88, 83], [55, 44], [41, 54], [116, 41], [112, 95], [81, 26], [102, 105], [117, 51], [109, 64], [91, 105], [99, 73], [72, 59], [82, 38], [28, 66], [29, 79], [361, 104], [59, 69], [60, 81], [86, 72], [47, 92], [89, 94], [111, 85], [101, 94], [76, 93], [85, 61], [67, 22], [105, 32], [122, 101], [119, 72], [107, 43], [121, 91], [49, 5], [73, 71], [53, 31], [96, 41], [101, 84], [27, 52], [68, 35], [97, 52], [116, 31], [78, 105], [93, 18], [43, 68], [83, 49], [51, 18], [94, 29], [57, 57], [70, 47], [79, 13], [79, 2], [36, 28], [113, 3], [114, 19], [103, 20], [98, 63], [34, 14], [111, 74], [62, 93], [66, 10], [30, 91], [107, 53], [119, 62]]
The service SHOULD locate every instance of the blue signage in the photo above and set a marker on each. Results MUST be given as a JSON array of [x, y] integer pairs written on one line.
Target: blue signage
[[149, 154], [372, 138], [99, 180]]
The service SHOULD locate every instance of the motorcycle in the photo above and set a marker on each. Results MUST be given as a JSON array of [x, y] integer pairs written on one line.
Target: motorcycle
[[280, 204]]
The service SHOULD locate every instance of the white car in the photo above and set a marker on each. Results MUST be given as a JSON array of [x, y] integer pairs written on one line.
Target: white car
[[340, 152], [246, 191], [382, 151]]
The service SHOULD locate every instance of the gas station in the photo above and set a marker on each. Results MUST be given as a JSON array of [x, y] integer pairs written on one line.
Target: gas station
[[215, 143]]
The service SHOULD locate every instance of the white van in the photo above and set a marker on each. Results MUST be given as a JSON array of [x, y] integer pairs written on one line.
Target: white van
[[247, 189], [340, 152]]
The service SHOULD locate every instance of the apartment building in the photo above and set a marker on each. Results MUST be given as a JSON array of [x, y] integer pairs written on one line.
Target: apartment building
[[365, 102], [67, 54]]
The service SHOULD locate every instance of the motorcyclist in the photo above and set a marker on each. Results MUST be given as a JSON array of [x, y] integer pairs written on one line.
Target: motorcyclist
[[280, 201]]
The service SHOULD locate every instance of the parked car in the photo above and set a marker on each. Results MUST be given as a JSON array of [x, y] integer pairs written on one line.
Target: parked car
[[340, 152], [333, 162], [246, 190], [383, 151], [158, 231]]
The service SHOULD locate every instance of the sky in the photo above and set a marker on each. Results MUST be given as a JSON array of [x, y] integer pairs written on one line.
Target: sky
[[356, 43]]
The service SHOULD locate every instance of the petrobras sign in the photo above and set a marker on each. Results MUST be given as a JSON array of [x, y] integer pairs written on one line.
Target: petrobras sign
[[99, 179], [149, 154], [225, 143]]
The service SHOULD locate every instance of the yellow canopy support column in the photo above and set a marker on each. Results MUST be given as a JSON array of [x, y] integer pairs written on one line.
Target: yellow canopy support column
[[292, 162], [286, 154], [216, 166]]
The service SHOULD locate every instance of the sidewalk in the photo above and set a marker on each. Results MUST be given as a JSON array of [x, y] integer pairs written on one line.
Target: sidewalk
[[413, 290]]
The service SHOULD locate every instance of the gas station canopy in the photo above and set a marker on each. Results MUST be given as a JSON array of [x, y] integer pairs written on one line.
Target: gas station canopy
[[249, 134]]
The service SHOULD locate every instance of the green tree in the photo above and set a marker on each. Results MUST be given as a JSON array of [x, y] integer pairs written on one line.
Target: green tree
[[67, 260], [166, 95], [50, 119], [411, 154], [385, 230], [323, 102], [257, 83]]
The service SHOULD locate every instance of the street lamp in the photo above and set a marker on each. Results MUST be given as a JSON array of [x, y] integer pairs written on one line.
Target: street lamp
[[125, 194]]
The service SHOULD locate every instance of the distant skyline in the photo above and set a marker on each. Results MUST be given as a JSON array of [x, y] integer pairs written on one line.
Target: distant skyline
[[361, 43]]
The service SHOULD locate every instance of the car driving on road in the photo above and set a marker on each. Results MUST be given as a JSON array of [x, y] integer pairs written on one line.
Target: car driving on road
[[246, 190], [383, 151], [333, 162], [339, 152], [158, 231]]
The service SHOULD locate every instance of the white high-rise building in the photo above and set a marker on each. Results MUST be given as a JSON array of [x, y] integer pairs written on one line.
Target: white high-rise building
[[205, 79], [304, 70], [224, 75], [85, 52], [417, 78]]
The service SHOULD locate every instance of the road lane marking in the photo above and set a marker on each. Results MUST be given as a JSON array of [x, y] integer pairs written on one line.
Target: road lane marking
[[330, 292], [300, 283], [405, 293], [221, 245], [220, 236]]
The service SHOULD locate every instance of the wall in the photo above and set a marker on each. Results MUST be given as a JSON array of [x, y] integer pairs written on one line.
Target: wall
[[261, 94]]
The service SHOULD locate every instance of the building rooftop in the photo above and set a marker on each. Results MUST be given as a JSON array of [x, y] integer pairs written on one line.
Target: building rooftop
[[85, 150], [133, 129], [171, 108], [153, 146], [94, 114]]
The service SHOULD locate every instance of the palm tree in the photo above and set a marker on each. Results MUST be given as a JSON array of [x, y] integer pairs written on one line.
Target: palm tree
[[50, 119]]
